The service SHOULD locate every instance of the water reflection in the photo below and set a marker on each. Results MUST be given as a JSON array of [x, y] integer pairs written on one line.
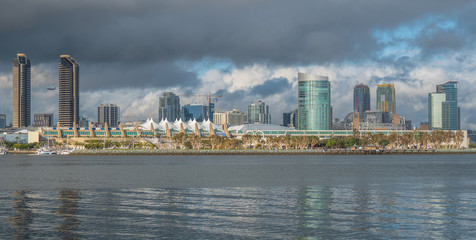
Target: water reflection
[[23, 216], [68, 211]]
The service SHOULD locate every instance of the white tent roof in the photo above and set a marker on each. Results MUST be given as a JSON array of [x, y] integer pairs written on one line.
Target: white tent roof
[[189, 125]]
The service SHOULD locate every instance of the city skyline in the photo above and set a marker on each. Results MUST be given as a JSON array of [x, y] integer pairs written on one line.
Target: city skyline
[[416, 45]]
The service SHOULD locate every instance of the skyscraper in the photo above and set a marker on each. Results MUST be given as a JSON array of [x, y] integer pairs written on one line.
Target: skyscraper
[[169, 106], [21, 91], [291, 119], [314, 107], [258, 112], [361, 99], [443, 110], [435, 110], [196, 112], [68, 91], [3, 121], [110, 114], [386, 98]]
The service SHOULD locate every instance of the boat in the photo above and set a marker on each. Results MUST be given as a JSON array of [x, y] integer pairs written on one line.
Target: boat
[[66, 151], [45, 151], [3, 151]]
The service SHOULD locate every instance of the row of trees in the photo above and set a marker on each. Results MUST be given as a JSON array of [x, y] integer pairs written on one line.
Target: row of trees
[[416, 140]]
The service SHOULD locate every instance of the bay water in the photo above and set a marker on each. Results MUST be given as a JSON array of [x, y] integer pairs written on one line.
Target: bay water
[[238, 197]]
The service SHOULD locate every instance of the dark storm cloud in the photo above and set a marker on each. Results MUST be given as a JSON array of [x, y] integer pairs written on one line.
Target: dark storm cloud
[[276, 31], [135, 43], [148, 75], [270, 87], [441, 41]]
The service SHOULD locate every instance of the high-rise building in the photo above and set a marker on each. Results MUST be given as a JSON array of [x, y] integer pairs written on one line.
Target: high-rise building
[[21, 91], [196, 112], [210, 111], [229, 118], [291, 119], [3, 121], [169, 106], [68, 91], [443, 110], [314, 107], [361, 99], [43, 120], [258, 113], [110, 114], [435, 110], [386, 98]]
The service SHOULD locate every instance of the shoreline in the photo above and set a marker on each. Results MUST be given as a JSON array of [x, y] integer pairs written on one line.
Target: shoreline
[[269, 152]]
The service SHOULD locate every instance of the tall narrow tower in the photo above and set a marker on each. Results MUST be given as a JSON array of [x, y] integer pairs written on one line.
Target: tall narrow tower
[[361, 99], [314, 107], [21, 91], [386, 98], [68, 91], [169, 107]]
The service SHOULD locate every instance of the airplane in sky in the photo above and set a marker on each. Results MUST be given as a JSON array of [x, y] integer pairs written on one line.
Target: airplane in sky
[[51, 88]]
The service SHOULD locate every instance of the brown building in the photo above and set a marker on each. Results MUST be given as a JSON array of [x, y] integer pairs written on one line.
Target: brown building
[[21, 91], [68, 91], [43, 120]]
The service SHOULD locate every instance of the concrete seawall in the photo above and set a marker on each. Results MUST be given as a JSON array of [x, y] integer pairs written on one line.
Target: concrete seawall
[[267, 152]]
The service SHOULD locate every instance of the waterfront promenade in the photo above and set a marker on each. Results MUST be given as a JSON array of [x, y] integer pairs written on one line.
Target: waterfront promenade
[[268, 152]]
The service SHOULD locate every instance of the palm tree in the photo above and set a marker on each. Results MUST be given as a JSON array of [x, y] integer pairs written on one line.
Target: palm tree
[[436, 138], [448, 138], [459, 137]]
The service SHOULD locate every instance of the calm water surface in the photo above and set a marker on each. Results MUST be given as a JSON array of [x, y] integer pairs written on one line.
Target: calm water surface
[[238, 197]]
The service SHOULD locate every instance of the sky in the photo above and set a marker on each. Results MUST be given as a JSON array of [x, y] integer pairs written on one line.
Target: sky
[[131, 51]]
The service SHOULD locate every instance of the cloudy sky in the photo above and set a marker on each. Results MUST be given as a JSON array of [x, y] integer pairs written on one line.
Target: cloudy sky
[[132, 51]]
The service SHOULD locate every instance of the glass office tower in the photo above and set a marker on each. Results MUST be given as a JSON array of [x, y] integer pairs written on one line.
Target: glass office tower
[[314, 107], [258, 113], [443, 110], [194, 112], [169, 107]]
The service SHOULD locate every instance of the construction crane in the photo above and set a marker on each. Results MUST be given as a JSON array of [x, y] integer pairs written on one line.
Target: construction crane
[[209, 96]]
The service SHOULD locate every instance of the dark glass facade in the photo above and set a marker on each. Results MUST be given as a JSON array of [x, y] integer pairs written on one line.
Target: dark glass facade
[[21, 109], [169, 107], [194, 112], [68, 91], [361, 99], [450, 109]]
